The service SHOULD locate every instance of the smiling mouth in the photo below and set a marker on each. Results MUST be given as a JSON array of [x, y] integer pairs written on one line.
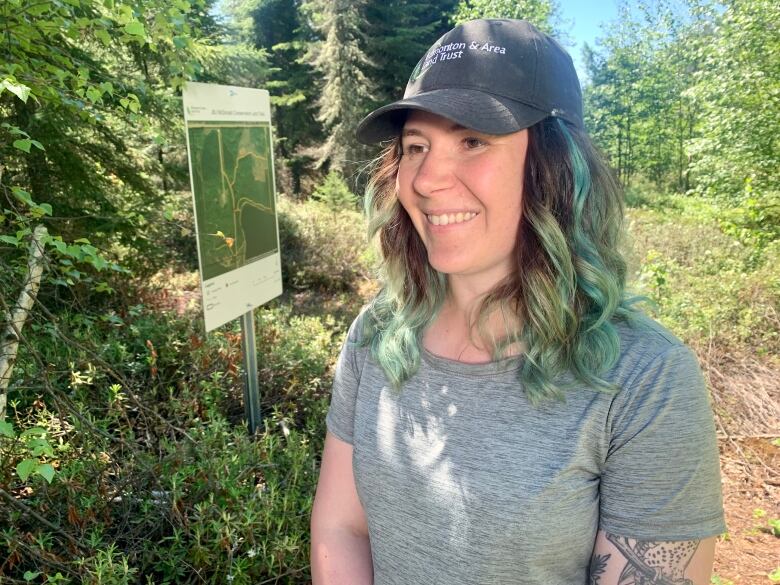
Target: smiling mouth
[[451, 218]]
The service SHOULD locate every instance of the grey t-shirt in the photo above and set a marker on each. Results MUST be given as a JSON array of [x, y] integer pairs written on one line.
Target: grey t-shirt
[[464, 481]]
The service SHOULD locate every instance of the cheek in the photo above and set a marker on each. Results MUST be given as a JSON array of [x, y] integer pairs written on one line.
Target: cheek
[[406, 196], [403, 189]]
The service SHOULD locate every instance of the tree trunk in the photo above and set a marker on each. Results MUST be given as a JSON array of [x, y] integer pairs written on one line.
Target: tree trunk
[[17, 316]]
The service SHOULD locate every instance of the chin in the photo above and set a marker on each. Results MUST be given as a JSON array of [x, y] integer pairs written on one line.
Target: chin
[[446, 265]]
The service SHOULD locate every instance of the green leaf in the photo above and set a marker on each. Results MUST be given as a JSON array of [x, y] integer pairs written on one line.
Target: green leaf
[[103, 36], [25, 468], [22, 195], [94, 94], [74, 252], [15, 130], [40, 447], [46, 471], [31, 575], [82, 241], [46, 208], [34, 432], [19, 90], [135, 29], [10, 240], [7, 429], [103, 287], [37, 145], [23, 144]]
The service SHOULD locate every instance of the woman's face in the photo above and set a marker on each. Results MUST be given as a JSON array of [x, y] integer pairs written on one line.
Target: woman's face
[[462, 190]]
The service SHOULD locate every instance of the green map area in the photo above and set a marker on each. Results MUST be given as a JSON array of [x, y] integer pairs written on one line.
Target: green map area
[[233, 190]]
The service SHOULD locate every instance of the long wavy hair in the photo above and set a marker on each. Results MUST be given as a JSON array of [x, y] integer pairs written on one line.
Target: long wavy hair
[[568, 286]]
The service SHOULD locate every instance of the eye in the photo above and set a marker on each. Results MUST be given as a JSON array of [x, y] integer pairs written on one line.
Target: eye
[[472, 142], [414, 148]]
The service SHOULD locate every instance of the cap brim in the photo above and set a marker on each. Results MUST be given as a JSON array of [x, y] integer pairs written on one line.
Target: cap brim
[[473, 109]]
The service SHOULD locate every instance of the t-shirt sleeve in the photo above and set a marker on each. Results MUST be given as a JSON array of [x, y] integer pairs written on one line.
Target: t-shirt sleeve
[[341, 414], [661, 479]]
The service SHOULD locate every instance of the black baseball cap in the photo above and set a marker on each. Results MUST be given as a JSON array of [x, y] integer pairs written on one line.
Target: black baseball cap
[[491, 75]]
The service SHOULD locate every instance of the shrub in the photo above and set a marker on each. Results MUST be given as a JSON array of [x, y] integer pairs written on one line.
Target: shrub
[[321, 247], [334, 193], [153, 480], [711, 287]]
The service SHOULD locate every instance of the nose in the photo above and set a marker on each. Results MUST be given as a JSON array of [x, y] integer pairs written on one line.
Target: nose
[[436, 172]]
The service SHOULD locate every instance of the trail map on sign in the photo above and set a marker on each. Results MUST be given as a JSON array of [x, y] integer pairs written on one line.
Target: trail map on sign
[[230, 150], [233, 185]]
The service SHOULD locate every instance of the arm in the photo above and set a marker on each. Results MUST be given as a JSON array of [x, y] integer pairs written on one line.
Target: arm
[[618, 560], [340, 549]]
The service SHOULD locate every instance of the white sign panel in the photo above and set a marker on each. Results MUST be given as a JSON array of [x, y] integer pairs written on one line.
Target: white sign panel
[[232, 175]]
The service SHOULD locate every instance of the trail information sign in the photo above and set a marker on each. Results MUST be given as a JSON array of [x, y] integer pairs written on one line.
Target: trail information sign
[[232, 176]]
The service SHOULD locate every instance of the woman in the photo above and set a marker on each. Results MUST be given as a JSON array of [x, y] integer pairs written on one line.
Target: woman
[[500, 413]]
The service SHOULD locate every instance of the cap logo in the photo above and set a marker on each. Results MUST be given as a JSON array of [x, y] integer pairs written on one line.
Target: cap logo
[[477, 46], [452, 51]]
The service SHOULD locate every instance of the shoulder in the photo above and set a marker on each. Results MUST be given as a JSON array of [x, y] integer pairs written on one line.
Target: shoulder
[[646, 346], [355, 347]]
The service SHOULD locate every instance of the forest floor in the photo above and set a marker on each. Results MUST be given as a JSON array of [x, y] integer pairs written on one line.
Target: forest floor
[[749, 552], [746, 401]]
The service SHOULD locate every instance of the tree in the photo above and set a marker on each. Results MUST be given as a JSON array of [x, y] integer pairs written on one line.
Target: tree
[[544, 14], [346, 89], [89, 90], [400, 32], [278, 27], [636, 108], [736, 93], [88, 99]]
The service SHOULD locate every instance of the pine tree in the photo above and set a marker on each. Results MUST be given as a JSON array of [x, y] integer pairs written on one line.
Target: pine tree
[[400, 33], [346, 90], [282, 30]]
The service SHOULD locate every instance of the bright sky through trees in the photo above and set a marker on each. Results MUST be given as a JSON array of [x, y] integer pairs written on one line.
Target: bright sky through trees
[[586, 19]]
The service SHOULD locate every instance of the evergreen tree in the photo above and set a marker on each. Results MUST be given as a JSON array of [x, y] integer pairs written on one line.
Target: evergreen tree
[[400, 31], [284, 33], [346, 90]]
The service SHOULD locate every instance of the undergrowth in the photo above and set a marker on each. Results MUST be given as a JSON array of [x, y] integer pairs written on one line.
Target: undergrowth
[[713, 284]]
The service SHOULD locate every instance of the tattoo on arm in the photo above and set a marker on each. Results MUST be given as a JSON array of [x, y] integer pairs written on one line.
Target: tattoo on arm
[[598, 564], [654, 563]]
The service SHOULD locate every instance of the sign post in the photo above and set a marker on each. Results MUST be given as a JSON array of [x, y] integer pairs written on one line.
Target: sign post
[[252, 409], [230, 151]]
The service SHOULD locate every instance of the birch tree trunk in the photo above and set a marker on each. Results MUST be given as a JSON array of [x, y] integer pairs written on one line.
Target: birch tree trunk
[[9, 343]]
